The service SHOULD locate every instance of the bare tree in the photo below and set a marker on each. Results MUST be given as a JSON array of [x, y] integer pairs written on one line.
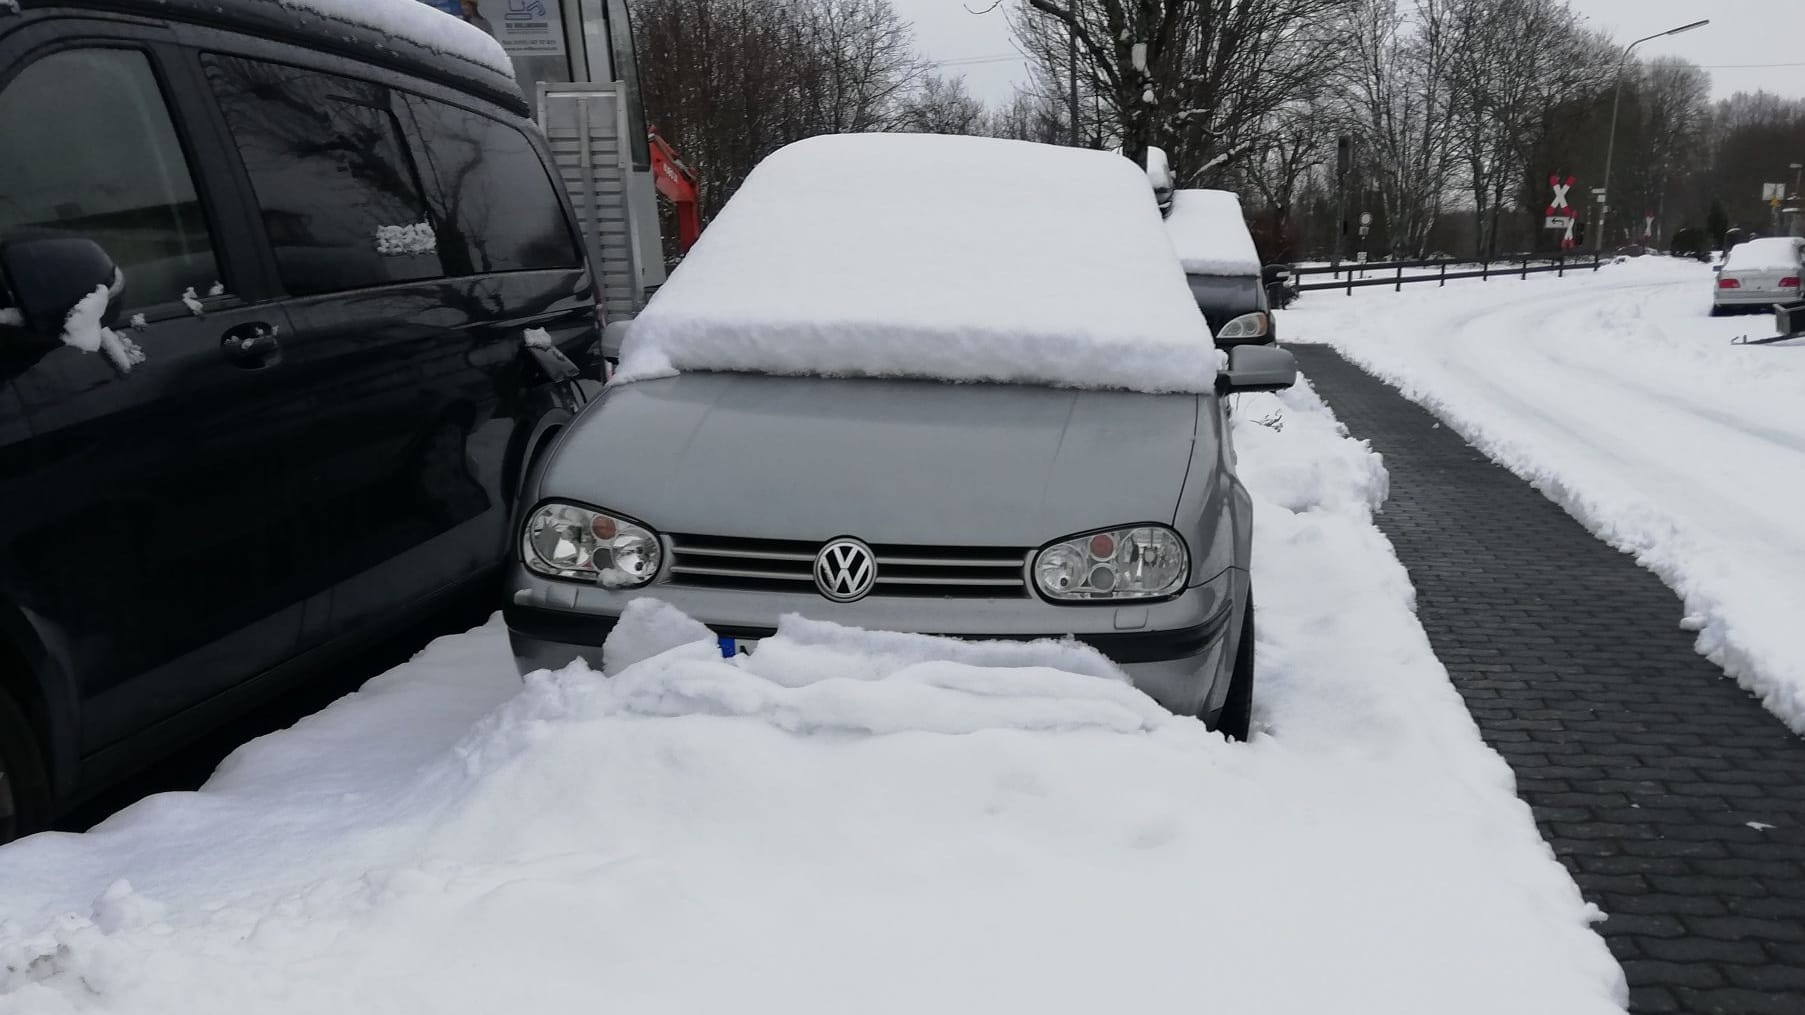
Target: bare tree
[[942, 106], [1243, 70], [1670, 98], [1200, 78], [855, 62], [730, 81], [1400, 111], [1514, 64], [1029, 116], [1129, 48]]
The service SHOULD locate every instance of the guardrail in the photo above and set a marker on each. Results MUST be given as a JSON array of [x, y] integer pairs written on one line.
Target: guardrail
[[1357, 274]]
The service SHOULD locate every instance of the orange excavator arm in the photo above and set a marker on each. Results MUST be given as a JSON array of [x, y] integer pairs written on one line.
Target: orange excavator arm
[[677, 184]]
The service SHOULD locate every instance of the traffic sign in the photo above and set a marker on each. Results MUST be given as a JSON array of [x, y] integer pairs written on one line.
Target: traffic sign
[[1560, 194]]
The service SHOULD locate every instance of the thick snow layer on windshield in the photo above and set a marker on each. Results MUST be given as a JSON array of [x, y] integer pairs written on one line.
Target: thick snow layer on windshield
[[910, 255], [920, 825], [1769, 253], [1209, 234], [1622, 401], [418, 23]]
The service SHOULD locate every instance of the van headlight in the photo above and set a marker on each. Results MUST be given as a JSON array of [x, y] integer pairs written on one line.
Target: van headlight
[[1246, 327], [568, 541], [1143, 562]]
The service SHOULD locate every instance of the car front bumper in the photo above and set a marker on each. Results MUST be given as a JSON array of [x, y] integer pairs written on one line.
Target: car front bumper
[[1180, 652]]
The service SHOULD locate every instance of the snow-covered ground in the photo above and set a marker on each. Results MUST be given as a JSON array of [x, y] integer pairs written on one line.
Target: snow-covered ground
[[851, 823], [1620, 398]]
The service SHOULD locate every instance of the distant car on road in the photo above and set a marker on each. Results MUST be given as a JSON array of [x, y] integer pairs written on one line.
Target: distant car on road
[[287, 303], [991, 413], [1209, 234], [1758, 273]]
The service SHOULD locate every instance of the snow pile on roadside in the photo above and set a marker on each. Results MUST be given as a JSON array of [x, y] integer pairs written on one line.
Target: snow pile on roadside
[[1619, 398], [912, 255], [1210, 235], [418, 23], [917, 824]]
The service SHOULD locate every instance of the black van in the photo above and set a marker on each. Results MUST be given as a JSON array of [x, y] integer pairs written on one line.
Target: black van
[[271, 294]]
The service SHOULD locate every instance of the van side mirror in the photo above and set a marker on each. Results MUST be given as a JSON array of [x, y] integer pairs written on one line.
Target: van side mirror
[[48, 276], [1257, 368]]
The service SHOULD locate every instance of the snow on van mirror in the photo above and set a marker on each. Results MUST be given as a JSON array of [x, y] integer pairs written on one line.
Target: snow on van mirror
[[1209, 234], [952, 258]]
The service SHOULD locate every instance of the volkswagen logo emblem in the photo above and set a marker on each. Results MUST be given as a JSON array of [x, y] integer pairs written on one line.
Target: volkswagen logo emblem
[[845, 570]]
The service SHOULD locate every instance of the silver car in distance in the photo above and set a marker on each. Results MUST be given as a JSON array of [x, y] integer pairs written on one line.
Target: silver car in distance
[[978, 510]]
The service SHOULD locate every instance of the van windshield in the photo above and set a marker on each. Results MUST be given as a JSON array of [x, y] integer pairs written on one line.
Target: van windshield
[[1237, 293]]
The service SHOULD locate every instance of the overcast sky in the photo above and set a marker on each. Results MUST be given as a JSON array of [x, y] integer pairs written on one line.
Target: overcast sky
[[1749, 44]]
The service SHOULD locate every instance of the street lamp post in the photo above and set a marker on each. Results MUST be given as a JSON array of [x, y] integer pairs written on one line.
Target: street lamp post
[[1610, 147]]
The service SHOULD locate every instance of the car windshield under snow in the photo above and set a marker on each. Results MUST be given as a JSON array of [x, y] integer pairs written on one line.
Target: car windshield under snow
[[1770, 253], [952, 258], [1209, 234]]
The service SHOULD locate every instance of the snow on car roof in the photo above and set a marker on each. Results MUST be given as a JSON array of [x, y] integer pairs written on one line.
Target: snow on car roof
[[912, 255], [418, 23], [1767, 252], [1210, 235]]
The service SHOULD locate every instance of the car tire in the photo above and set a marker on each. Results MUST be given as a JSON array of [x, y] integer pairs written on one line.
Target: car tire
[[24, 791], [1236, 718], [1716, 311]]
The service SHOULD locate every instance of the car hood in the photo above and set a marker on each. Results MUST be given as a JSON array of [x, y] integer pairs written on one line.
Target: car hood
[[887, 461]]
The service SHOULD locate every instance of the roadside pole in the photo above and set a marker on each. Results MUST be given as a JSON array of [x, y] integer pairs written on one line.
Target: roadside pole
[[1344, 155]]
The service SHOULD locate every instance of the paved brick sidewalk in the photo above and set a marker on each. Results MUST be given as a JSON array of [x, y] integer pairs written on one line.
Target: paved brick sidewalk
[[1647, 769]]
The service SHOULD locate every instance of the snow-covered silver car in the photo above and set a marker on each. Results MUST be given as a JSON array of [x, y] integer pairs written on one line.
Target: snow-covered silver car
[[994, 474], [1760, 273]]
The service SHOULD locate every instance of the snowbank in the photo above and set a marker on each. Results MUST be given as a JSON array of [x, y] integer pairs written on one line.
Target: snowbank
[[846, 820], [419, 23], [1625, 403], [1769, 253], [1210, 235], [910, 255]]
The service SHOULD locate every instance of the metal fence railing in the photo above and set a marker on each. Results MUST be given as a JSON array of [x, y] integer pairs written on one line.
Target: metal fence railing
[[1391, 273]]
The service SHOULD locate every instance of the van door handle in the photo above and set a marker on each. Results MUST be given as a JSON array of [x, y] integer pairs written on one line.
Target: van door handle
[[252, 346]]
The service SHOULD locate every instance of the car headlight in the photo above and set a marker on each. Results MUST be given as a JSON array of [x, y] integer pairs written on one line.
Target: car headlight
[[1143, 562], [1247, 326], [567, 541]]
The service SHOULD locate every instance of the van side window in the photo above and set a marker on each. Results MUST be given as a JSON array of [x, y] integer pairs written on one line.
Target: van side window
[[486, 182], [340, 197], [95, 155]]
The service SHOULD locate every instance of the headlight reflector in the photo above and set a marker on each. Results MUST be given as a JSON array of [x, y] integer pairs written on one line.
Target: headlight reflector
[[1144, 562], [568, 541], [1245, 328]]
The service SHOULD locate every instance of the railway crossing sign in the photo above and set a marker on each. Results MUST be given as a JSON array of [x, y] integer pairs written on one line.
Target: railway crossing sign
[[1560, 213]]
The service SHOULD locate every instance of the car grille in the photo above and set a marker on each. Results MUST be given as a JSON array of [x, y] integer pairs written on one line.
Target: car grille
[[782, 565]]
